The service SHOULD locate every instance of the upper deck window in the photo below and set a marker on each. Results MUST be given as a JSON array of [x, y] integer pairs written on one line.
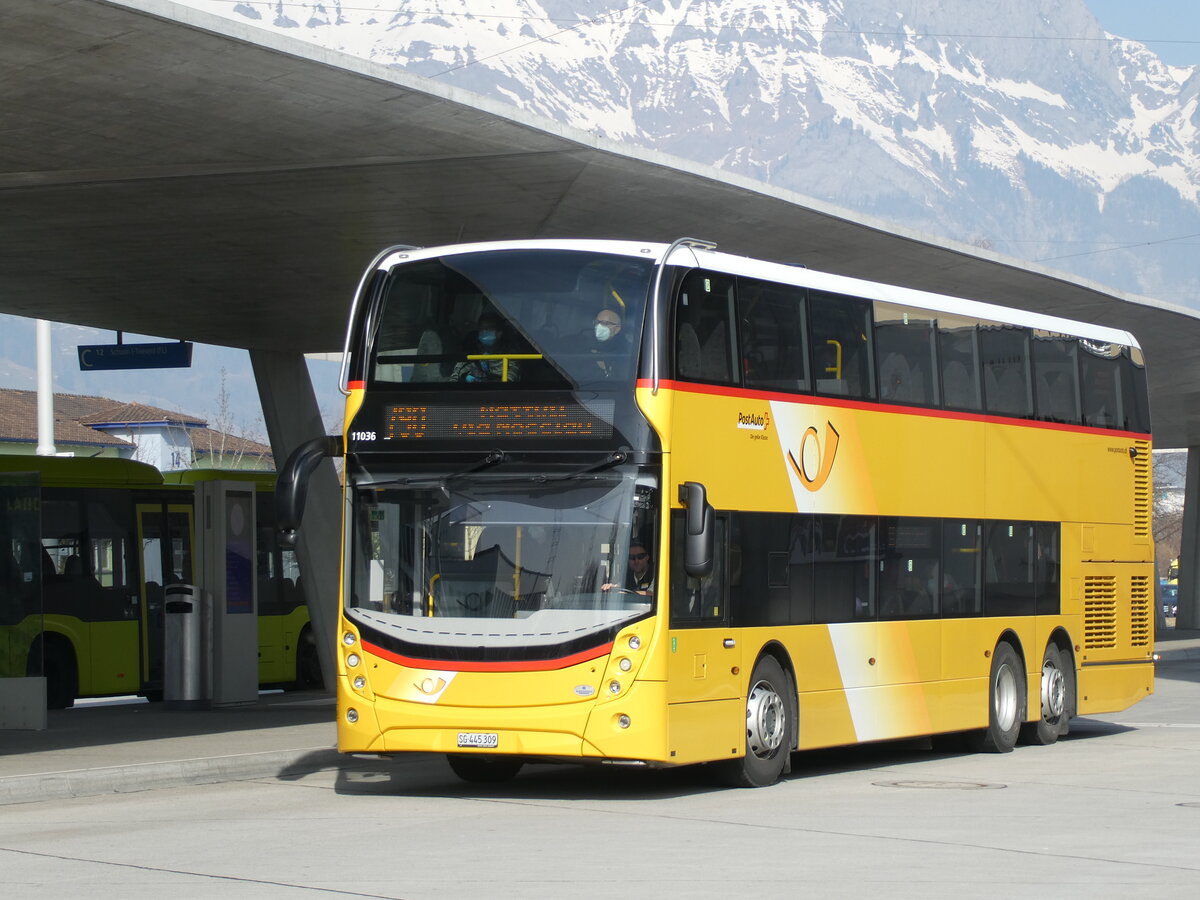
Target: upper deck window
[[841, 345], [495, 319], [705, 343]]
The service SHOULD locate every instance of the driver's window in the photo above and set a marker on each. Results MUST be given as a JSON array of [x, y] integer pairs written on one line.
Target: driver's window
[[697, 602]]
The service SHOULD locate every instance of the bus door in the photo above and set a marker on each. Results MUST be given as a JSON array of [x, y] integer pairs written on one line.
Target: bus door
[[165, 540], [707, 717]]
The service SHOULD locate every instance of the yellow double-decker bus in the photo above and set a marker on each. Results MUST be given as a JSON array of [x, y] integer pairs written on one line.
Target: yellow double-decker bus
[[115, 534], [707, 509]]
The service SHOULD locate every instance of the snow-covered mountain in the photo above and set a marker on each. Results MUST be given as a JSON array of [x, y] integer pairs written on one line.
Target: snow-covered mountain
[[1015, 125]]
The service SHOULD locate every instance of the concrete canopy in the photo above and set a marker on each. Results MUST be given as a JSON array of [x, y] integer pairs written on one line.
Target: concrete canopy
[[167, 172]]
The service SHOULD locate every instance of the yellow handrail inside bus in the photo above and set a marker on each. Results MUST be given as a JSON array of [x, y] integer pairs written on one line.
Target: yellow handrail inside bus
[[504, 357], [836, 369], [429, 615]]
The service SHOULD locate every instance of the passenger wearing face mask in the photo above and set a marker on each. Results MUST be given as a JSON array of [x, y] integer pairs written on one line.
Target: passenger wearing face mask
[[491, 337], [606, 343]]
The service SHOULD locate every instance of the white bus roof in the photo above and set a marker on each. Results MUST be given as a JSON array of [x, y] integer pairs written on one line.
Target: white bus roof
[[698, 257]]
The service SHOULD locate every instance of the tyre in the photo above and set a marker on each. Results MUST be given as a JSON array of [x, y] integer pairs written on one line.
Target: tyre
[[1057, 700], [770, 727], [308, 663], [62, 675], [484, 768], [1006, 703]]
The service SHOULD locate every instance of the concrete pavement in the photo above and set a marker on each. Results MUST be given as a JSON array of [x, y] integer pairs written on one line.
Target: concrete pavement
[[99, 748]]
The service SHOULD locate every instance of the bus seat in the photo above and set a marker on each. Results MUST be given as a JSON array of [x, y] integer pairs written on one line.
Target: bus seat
[[687, 352], [714, 357], [956, 386], [894, 377], [430, 344]]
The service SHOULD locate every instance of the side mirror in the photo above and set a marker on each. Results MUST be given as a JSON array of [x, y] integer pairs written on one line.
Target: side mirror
[[698, 540], [291, 485]]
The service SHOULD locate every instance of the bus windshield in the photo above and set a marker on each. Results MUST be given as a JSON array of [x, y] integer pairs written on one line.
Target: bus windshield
[[510, 569], [539, 318]]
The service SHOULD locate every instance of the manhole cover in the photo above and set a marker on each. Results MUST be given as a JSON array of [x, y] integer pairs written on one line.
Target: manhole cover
[[943, 785]]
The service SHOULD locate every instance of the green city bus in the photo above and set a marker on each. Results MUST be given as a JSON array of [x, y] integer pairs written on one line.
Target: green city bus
[[115, 534]]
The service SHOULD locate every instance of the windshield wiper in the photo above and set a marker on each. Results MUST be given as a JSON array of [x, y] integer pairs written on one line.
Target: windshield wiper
[[493, 458], [613, 459]]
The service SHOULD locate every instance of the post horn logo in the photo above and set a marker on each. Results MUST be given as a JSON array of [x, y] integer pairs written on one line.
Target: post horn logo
[[824, 457], [431, 686]]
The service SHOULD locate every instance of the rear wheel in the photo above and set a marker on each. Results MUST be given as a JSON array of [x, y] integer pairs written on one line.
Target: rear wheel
[[61, 671], [1006, 702], [769, 727], [1055, 690], [308, 662], [484, 768]]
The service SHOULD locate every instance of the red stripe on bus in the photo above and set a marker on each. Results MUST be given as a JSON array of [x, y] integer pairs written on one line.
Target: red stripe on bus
[[356, 385], [524, 665], [722, 390]]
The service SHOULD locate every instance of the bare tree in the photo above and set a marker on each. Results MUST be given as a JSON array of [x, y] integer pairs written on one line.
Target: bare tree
[[1170, 478]]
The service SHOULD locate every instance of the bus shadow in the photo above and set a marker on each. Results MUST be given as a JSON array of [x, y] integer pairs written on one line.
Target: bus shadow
[[429, 775]]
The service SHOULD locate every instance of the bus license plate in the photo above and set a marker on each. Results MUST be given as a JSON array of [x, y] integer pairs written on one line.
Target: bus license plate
[[487, 739]]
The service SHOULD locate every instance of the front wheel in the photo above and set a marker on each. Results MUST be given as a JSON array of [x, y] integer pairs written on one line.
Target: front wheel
[[1006, 702], [482, 768], [769, 727]]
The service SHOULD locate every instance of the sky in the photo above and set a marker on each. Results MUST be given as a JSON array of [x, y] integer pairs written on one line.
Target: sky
[[1170, 28]]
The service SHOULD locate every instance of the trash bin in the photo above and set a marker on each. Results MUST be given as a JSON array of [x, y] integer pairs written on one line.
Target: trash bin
[[187, 647]]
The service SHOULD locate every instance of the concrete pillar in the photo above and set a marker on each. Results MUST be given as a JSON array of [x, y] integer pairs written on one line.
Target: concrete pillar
[[292, 417], [1189, 547]]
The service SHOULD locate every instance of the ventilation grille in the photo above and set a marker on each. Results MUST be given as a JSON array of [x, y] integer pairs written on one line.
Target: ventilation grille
[[1141, 490], [1099, 612], [1141, 621]]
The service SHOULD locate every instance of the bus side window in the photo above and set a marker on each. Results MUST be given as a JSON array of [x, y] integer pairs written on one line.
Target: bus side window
[[840, 338], [1008, 588], [705, 339], [770, 582], [1055, 378], [846, 564], [774, 356], [961, 545], [1137, 400], [909, 580], [1047, 577], [958, 357], [904, 352], [1102, 394], [1006, 387]]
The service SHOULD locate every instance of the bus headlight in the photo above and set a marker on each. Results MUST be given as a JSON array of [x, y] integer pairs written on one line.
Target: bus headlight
[[352, 660], [622, 721], [352, 716], [359, 682], [349, 639], [614, 687], [624, 664], [635, 642]]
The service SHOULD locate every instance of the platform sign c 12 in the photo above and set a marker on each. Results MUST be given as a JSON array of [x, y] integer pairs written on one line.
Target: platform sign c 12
[[109, 357]]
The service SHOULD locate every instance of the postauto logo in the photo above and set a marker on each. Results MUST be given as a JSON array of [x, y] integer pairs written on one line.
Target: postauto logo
[[813, 459]]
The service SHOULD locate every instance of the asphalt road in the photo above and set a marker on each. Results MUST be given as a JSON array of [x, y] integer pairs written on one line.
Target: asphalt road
[[1113, 810]]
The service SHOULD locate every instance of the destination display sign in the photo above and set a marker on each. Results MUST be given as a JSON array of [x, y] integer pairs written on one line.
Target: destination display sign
[[498, 422], [107, 357]]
